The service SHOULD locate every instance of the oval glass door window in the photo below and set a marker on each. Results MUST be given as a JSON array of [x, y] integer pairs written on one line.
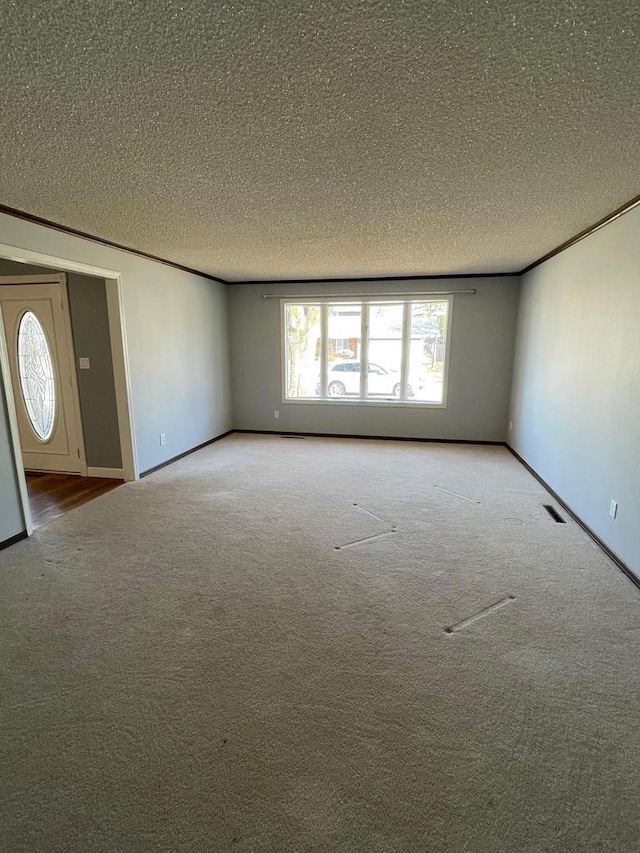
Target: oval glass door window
[[37, 381]]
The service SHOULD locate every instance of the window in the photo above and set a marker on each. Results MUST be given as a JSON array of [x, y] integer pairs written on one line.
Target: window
[[37, 382], [403, 343]]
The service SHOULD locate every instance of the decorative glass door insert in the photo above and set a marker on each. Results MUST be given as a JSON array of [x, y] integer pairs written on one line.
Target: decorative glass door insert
[[37, 379]]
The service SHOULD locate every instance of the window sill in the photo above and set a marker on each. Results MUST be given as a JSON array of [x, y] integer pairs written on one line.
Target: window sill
[[348, 401]]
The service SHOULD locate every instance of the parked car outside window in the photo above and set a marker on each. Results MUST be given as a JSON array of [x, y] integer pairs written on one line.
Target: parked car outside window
[[343, 379]]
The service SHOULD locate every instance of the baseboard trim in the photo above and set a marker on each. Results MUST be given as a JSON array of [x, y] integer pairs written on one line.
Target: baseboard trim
[[368, 437], [186, 453], [618, 561], [309, 435], [106, 473], [591, 533], [13, 539]]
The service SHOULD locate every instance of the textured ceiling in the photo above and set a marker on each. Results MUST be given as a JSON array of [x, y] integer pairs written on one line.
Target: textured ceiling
[[322, 138]]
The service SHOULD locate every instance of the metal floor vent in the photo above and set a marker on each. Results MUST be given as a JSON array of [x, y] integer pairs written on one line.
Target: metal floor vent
[[555, 515], [301, 437]]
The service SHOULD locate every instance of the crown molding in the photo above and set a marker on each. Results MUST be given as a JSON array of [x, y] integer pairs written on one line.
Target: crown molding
[[606, 220], [611, 217], [39, 220]]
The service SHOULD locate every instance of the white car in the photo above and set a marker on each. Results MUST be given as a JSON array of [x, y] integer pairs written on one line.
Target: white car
[[344, 378]]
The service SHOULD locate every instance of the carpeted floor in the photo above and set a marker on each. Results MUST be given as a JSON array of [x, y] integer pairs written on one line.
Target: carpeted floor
[[209, 660]]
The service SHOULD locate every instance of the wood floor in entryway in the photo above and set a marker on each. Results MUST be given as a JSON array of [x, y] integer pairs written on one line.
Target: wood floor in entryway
[[51, 495]]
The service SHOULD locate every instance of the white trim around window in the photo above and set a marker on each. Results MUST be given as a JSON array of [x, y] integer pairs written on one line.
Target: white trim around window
[[405, 343]]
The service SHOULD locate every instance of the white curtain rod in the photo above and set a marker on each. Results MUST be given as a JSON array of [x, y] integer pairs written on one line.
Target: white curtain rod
[[309, 297]]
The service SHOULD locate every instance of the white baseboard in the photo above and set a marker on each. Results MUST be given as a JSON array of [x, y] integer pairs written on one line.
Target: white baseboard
[[113, 473]]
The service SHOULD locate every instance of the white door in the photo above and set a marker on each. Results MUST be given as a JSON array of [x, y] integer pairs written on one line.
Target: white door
[[38, 340]]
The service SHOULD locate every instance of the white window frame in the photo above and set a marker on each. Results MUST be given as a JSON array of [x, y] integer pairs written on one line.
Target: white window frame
[[365, 303]]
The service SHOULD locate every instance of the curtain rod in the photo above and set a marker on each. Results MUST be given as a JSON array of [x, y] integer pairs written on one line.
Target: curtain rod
[[311, 296]]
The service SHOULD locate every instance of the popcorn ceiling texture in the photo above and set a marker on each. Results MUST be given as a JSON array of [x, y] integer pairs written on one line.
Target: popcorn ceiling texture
[[312, 139]]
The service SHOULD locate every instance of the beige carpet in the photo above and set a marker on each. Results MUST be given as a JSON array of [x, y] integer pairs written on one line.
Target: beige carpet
[[204, 661]]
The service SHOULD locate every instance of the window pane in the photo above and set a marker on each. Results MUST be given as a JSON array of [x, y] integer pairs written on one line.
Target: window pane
[[385, 351], [36, 376], [344, 327], [427, 351], [303, 350]]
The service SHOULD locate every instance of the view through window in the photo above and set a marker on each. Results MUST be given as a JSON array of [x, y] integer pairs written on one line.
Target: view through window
[[403, 344]]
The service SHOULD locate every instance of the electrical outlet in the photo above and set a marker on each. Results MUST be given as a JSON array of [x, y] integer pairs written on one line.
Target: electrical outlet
[[276, 414], [510, 425], [84, 364], [613, 508], [163, 438]]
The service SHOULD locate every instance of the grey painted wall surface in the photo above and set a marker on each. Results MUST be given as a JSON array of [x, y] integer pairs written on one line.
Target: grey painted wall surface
[[483, 327], [11, 520], [176, 328], [96, 389], [13, 268], [179, 356], [576, 387]]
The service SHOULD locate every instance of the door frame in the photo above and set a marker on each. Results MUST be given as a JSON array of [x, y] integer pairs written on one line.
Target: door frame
[[119, 356], [61, 279]]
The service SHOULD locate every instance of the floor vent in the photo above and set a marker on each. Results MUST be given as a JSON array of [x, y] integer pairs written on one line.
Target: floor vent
[[553, 512], [301, 437]]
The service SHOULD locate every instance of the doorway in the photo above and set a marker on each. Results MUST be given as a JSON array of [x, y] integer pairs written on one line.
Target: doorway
[[40, 373], [36, 318]]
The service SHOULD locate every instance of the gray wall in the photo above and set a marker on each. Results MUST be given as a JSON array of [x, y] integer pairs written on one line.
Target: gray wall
[[11, 520], [179, 356], [13, 268], [576, 387], [482, 329], [96, 389]]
